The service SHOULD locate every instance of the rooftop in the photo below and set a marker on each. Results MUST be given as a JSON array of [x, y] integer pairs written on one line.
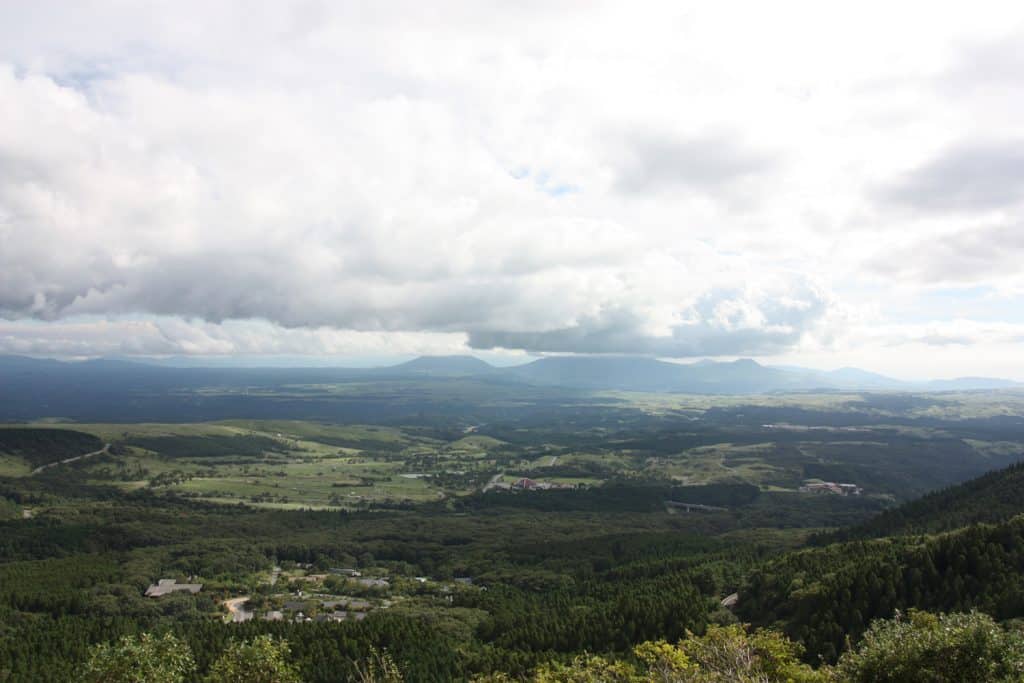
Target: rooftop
[[165, 586]]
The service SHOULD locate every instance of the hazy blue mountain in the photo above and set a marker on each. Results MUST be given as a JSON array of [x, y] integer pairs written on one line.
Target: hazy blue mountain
[[648, 374], [745, 376], [857, 379], [862, 379], [442, 366], [622, 373], [16, 363], [970, 383], [600, 372]]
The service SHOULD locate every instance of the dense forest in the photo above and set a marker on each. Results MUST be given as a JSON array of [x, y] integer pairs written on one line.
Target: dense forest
[[992, 497], [823, 597]]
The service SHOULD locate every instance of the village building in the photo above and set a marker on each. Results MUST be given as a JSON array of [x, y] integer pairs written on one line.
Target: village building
[[166, 586], [344, 571], [831, 487]]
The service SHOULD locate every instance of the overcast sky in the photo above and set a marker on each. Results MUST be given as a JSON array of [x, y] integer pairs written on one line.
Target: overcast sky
[[814, 183]]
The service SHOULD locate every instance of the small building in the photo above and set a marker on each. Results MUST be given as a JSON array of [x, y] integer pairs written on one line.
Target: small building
[[341, 615], [525, 484], [314, 578], [831, 487], [344, 571], [165, 586], [274, 615]]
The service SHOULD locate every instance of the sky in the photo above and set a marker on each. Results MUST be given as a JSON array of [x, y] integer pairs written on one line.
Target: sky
[[821, 184]]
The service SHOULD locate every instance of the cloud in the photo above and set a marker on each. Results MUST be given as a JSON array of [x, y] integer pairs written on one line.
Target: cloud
[[957, 332], [992, 64], [649, 162], [170, 202], [991, 253], [719, 323], [973, 176], [163, 336], [219, 178]]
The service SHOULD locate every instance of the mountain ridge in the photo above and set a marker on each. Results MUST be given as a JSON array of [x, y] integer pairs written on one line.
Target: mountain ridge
[[609, 373]]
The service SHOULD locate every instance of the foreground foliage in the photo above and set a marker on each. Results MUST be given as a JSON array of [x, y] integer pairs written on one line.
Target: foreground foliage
[[823, 597], [146, 658], [166, 659], [260, 660], [918, 648], [929, 648], [725, 654]]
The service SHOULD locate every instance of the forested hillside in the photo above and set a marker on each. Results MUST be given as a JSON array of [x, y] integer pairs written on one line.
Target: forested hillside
[[823, 597], [908, 558], [992, 497], [40, 447]]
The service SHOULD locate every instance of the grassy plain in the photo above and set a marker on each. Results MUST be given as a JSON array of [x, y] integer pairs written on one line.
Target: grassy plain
[[775, 442]]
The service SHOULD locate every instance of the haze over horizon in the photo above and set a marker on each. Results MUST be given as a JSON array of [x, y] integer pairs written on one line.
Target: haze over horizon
[[365, 181]]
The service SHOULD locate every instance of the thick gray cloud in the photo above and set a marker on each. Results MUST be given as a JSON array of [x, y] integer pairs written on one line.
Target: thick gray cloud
[[973, 255], [651, 163], [153, 335], [974, 176], [994, 64], [179, 210], [722, 322]]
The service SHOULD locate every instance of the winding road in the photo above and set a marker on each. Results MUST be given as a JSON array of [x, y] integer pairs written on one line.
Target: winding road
[[105, 449], [238, 615], [493, 482]]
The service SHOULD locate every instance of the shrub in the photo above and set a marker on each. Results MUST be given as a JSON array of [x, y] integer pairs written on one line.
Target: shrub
[[953, 648]]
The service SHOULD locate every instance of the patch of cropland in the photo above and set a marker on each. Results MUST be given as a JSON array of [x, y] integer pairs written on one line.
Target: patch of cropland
[[213, 446]]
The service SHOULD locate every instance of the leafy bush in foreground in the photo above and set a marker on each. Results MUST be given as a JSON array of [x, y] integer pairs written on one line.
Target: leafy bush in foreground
[[725, 654], [944, 648]]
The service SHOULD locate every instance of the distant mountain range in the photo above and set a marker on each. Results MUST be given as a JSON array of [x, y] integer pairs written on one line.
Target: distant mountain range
[[618, 373], [443, 366]]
